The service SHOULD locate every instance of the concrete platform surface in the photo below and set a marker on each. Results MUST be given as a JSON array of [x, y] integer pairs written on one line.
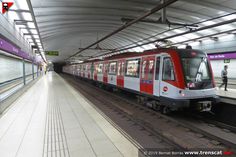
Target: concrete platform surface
[[52, 119]]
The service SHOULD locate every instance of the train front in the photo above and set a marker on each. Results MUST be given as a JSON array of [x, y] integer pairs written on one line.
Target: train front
[[199, 80]]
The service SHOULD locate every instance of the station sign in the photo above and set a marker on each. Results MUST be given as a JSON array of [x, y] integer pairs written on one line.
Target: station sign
[[52, 53], [8, 47], [226, 60], [222, 56]]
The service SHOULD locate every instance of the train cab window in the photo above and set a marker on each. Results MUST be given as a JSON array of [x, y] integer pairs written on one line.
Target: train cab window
[[132, 68], [168, 70], [99, 68], [150, 69], [157, 68], [112, 68]]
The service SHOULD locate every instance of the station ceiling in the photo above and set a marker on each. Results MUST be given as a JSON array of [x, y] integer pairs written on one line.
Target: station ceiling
[[69, 26]]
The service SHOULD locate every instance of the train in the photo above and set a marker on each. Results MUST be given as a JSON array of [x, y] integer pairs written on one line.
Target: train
[[164, 79]]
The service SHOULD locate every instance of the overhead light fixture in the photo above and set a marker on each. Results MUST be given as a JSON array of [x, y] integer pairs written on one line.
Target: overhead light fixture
[[30, 40], [207, 23], [31, 25], [36, 36], [22, 4], [230, 17], [24, 31], [37, 40], [27, 16], [33, 31]]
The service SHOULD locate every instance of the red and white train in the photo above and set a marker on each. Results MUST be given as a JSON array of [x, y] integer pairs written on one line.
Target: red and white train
[[167, 79]]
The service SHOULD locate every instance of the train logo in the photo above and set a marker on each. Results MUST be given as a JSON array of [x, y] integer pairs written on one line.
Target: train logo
[[6, 6], [165, 89]]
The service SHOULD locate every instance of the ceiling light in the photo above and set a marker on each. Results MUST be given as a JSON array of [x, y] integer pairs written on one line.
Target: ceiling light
[[33, 31], [37, 40], [22, 4], [178, 31], [27, 16], [225, 27], [230, 17], [24, 31], [13, 15], [31, 25], [178, 39], [207, 23], [36, 36], [191, 36], [30, 40]]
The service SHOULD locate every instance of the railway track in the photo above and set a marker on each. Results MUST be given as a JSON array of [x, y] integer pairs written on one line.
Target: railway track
[[152, 129]]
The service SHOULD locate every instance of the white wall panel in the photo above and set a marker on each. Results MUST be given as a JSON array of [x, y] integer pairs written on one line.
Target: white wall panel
[[28, 68], [35, 68], [11, 68], [218, 65]]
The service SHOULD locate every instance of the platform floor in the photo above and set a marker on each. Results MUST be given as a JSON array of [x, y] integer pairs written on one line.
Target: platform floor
[[53, 120], [231, 93]]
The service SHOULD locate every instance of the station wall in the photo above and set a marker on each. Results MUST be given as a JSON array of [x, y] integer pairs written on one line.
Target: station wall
[[218, 65], [15, 74], [224, 43], [11, 68]]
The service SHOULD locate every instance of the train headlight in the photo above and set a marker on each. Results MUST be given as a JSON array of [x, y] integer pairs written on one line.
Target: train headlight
[[181, 93], [191, 85]]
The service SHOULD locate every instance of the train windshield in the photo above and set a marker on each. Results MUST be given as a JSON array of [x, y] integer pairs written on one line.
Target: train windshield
[[197, 73]]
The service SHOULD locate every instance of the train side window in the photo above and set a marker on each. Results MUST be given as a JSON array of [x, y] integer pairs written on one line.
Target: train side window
[[112, 68], [143, 69], [99, 68], [132, 68], [157, 68], [150, 69], [119, 70], [168, 70], [105, 68], [122, 68]]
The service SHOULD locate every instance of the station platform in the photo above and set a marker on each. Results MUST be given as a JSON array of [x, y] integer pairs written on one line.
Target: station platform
[[227, 96], [52, 119]]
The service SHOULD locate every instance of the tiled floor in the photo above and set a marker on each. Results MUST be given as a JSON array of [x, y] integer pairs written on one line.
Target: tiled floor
[[53, 120]]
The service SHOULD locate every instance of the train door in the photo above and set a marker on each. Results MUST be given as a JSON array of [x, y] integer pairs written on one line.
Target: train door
[[105, 72], [167, 76], [157, 78], [89, 70], [147, 71], [95, 71], [120, 73], [84, 69]]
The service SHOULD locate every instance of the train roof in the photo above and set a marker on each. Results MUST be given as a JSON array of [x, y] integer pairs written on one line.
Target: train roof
[[182, 52]]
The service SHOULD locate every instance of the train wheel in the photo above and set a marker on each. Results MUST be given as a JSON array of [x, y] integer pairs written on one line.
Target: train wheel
[[165, 110]]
